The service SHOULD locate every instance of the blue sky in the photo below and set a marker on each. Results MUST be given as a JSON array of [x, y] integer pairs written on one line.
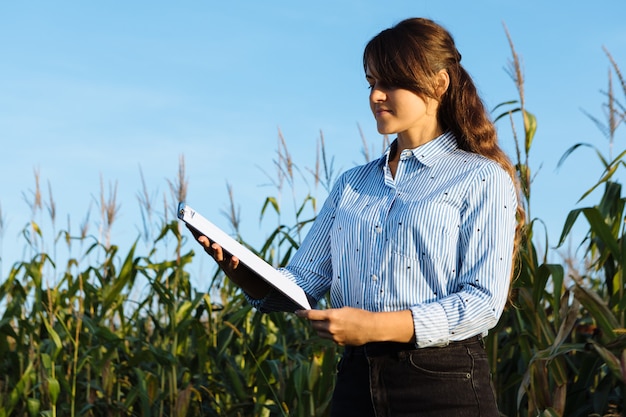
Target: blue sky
[[92, 90]]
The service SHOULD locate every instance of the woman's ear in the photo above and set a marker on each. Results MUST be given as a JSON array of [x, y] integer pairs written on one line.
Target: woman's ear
[[442, 82]]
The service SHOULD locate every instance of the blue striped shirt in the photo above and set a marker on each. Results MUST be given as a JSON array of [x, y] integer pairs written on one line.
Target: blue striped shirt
[[437, 239]]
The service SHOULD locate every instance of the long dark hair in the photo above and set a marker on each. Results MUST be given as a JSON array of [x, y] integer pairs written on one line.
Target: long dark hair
[[409, 55]]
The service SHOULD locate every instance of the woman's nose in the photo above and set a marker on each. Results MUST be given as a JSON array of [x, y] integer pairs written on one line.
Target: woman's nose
[[377, 95]]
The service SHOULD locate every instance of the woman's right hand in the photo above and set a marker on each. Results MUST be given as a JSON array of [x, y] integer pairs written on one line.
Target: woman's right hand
[[224, 260], [240, 275]]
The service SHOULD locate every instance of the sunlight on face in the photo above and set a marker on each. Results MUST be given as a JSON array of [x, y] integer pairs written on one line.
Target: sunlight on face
[[402, 112]]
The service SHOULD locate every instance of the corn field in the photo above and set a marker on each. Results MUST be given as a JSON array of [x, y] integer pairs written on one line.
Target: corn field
[[125, 334]]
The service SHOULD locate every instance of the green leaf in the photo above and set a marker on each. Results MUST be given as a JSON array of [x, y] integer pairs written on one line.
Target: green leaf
[[7, 329], [54, 336], [569, 223], [36, 228], [599, 310], [19, 391], [506, 113], [270, 201], [140, 390], [184, 311], [554, 352], [235, 380], [543, 274], [530, 127], [611, 204], [571, 150], [571, 318], [54, 389], [611, 361], [599, 228], [33, 405], [112, 291], [504, 103], [606, 177], [307, 199]]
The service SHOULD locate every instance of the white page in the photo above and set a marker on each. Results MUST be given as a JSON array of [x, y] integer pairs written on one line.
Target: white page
[[245, 255]]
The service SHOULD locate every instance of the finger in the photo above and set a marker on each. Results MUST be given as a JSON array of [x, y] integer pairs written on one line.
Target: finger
[[229, 264], [332, 337], [313, 315], [218, 254], [325, 335], [204, 241], [224, 258], [321, 326]]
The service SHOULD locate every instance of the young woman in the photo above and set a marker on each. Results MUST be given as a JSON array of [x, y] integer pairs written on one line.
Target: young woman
[[416, 248]]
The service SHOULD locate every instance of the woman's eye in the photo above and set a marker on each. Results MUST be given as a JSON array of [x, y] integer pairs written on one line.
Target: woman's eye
[[381, 85]]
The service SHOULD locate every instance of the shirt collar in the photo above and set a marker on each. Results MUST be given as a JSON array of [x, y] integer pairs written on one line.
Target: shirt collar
[[429, 152]]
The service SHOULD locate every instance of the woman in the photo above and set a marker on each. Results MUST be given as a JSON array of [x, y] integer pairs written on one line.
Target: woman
[[416, 248]]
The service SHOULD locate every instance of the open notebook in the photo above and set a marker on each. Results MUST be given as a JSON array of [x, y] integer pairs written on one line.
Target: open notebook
[[246, 257]]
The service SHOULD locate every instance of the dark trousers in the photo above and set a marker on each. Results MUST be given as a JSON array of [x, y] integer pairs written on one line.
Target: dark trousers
[[396, 380]]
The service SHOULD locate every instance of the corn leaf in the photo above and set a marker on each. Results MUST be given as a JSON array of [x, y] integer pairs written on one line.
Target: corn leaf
[[611, 361], [530, 127], [599, 311]]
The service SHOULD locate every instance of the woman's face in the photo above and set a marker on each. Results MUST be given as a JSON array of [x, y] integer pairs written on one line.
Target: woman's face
[[402, 112]]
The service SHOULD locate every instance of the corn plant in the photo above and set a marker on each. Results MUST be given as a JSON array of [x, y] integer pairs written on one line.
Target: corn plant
[[113, 334], [535, 320], [599, 288], [559, 350]]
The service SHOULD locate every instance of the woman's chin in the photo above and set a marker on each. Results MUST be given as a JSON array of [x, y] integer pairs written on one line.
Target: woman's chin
[[385, 130]]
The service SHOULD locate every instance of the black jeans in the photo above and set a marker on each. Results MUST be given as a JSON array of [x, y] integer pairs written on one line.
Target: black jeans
[[396, 380]]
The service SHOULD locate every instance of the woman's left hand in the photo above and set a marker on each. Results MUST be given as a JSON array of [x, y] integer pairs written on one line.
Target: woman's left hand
[[345, 326]]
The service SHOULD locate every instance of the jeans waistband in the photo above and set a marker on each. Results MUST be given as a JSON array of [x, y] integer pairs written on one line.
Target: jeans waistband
[[389, 348]]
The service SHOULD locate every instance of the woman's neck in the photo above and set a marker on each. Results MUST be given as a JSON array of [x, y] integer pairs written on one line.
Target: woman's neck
[[409, 140]]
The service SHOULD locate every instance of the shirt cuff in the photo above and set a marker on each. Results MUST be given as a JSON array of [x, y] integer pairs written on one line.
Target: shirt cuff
[[431, 325], [258, 302], [276, 301]]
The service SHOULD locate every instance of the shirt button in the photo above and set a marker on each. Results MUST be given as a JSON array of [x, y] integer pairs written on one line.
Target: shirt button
[[374, 277], [379, 229]]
